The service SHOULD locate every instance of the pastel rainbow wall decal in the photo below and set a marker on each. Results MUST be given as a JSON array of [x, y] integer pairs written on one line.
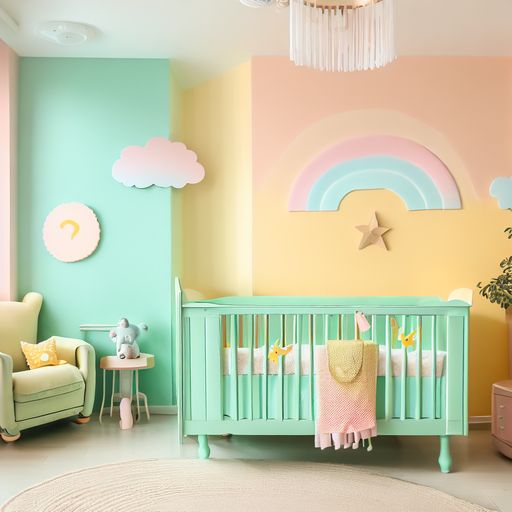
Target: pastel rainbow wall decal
[[401, 165], [501, 189]]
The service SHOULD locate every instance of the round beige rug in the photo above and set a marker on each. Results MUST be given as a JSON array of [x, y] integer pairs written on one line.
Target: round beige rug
[[224, 485]]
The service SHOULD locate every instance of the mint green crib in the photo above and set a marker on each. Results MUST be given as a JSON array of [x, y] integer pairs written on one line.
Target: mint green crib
[[226, 384]]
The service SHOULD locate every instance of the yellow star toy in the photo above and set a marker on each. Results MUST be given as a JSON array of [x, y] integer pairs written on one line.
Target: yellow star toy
[[277, 351], [408, 341], [372, 233]]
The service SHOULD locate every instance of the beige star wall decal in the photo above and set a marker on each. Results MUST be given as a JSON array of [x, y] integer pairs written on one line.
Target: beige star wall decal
[[372, 233]]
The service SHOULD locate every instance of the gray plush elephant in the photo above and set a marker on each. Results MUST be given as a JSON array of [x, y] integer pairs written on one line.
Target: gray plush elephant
[[125, 337]]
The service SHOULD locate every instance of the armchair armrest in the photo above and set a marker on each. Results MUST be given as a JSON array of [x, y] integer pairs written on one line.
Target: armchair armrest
[[7, 420], [81, 354]]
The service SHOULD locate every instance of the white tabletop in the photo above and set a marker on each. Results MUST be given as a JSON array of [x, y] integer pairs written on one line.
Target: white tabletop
[[144, 362]]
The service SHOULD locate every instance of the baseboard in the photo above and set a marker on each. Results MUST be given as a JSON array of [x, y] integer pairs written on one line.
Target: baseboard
[[163, 409], [475, 420], [153, 409], [173, 410]]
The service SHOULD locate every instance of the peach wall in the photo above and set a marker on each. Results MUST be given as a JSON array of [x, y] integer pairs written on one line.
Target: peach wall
[[8, 114], [459, 108]]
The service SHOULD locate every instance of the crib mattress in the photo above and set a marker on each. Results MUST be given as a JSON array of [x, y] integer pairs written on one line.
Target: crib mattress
[[397, 356]]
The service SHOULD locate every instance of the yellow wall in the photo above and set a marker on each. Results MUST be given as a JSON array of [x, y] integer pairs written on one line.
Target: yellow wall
[[217, 213], [257, 126]]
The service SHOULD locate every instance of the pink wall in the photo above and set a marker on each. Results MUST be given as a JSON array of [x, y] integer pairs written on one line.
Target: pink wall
[[461, 98], [458, 108], [8, 111]]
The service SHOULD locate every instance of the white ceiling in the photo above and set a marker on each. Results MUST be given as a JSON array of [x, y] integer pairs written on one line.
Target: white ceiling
[[205, 37]]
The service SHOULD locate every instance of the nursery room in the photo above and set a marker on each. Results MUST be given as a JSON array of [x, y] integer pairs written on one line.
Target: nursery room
[[255, 255]]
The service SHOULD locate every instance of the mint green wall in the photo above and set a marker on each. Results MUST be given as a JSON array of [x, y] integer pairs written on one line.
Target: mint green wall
[[76, 115]]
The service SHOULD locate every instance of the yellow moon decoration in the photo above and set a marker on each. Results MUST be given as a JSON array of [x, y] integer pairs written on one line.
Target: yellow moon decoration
[[74, 224], [77, 243]]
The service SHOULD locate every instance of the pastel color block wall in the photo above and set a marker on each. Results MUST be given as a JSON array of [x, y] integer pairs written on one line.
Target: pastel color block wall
[[217, 213], [8, 127], [458, 108], [76, 115]]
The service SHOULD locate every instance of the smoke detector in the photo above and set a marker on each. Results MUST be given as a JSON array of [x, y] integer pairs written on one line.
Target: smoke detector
[[257, 3], [66, 33]]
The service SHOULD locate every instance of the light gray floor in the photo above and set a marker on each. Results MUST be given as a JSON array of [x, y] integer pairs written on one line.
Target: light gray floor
[[479, 475]]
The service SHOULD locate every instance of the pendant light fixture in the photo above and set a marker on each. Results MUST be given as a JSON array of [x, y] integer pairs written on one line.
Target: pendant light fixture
[[339, 35]]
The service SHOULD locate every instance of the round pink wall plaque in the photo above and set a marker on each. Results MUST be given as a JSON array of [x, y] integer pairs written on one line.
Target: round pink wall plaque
[[71, 232]]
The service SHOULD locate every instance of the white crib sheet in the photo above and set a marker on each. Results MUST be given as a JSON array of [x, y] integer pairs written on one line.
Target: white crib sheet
[[243, 361]]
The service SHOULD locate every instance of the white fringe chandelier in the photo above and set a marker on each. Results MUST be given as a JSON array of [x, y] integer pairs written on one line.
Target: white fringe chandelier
[[339, 35]]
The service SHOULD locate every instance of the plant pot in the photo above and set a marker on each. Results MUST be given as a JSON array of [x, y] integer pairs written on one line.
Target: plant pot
[[509, 326]]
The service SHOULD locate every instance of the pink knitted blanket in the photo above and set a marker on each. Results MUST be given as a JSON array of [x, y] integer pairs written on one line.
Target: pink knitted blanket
[[346, 413]]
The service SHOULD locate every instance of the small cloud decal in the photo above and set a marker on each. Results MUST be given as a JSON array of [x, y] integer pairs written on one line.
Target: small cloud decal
[[160, 162], [501, 189]]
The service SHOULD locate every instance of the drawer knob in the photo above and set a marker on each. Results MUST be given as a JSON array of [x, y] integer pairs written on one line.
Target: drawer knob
[[502, 427], [502, 406]]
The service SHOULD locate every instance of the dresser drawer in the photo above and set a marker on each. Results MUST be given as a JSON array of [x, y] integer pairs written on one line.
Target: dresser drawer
[[502, 417]]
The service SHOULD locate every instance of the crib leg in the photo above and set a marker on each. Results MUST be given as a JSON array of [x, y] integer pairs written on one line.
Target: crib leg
[[445, 458], [204, 449]]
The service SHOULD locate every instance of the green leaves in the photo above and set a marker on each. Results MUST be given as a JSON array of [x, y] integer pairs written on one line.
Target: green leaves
[[499, 289]]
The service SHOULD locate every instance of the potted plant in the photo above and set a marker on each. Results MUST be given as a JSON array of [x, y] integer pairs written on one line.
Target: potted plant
[[499, 291]]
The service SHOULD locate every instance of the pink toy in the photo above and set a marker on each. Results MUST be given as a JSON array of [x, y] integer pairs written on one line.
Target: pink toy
[[125, 410], [362, 322]]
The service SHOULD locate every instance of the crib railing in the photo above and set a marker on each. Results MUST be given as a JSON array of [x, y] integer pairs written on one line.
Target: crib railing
[[216, 396]]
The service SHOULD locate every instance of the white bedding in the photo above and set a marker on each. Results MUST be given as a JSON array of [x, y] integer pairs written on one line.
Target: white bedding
[[243, 361]]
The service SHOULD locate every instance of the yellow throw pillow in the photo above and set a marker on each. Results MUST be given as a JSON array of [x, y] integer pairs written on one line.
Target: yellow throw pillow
[[41, 354]]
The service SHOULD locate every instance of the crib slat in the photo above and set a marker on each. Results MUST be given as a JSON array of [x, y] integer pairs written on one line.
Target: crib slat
[[311, 367], [298, 366], [233, 373], [326, 329], [339, 327], [403, 386], [389, 372], [374, 329], [187, 406], [280, 389], [265, 367], [198, 367], [180, 362], [419, 362], [213, 368], [454, 375], [433, 350], [251, 366]]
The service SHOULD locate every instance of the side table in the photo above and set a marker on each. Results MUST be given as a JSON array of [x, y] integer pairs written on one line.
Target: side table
[[502, 416], [126, 368]]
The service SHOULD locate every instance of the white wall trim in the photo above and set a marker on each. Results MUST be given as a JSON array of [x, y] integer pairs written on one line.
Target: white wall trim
[[474, 420], [153, 409], [173, 410], [163, 409]]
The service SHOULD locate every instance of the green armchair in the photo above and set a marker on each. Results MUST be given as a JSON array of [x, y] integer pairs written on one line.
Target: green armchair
[[35, 397]]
